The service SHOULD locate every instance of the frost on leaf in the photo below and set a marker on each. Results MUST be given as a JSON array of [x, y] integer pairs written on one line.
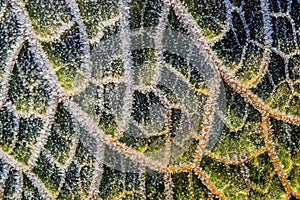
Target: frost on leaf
[[103, 99]]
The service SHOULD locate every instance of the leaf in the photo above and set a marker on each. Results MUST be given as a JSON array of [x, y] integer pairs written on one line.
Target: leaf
[[163, 99]]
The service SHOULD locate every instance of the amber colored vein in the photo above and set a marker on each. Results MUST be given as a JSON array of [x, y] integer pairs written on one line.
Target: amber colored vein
[[267, 135]]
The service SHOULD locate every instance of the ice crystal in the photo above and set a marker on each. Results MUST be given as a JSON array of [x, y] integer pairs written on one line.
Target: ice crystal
[[86, 113]]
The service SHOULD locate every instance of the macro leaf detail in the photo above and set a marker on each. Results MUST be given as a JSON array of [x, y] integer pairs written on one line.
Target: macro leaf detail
[[107, 100]]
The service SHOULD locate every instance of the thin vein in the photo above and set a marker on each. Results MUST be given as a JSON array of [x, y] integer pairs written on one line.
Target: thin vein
[[128, 67], [142, 185], [158, 42], [57, 35], [108, 140], [274, 159], [98, 170], [206, 181], [232, 81], [6, 78], [49, 76], [168, 185], [239, 162], [19, 167], [108, 23], [84, 40]]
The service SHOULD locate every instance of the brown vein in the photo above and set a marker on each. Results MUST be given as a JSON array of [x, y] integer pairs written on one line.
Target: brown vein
[[206, 181], [193, 28], [239, 162], [274, 159], [168, 186]]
